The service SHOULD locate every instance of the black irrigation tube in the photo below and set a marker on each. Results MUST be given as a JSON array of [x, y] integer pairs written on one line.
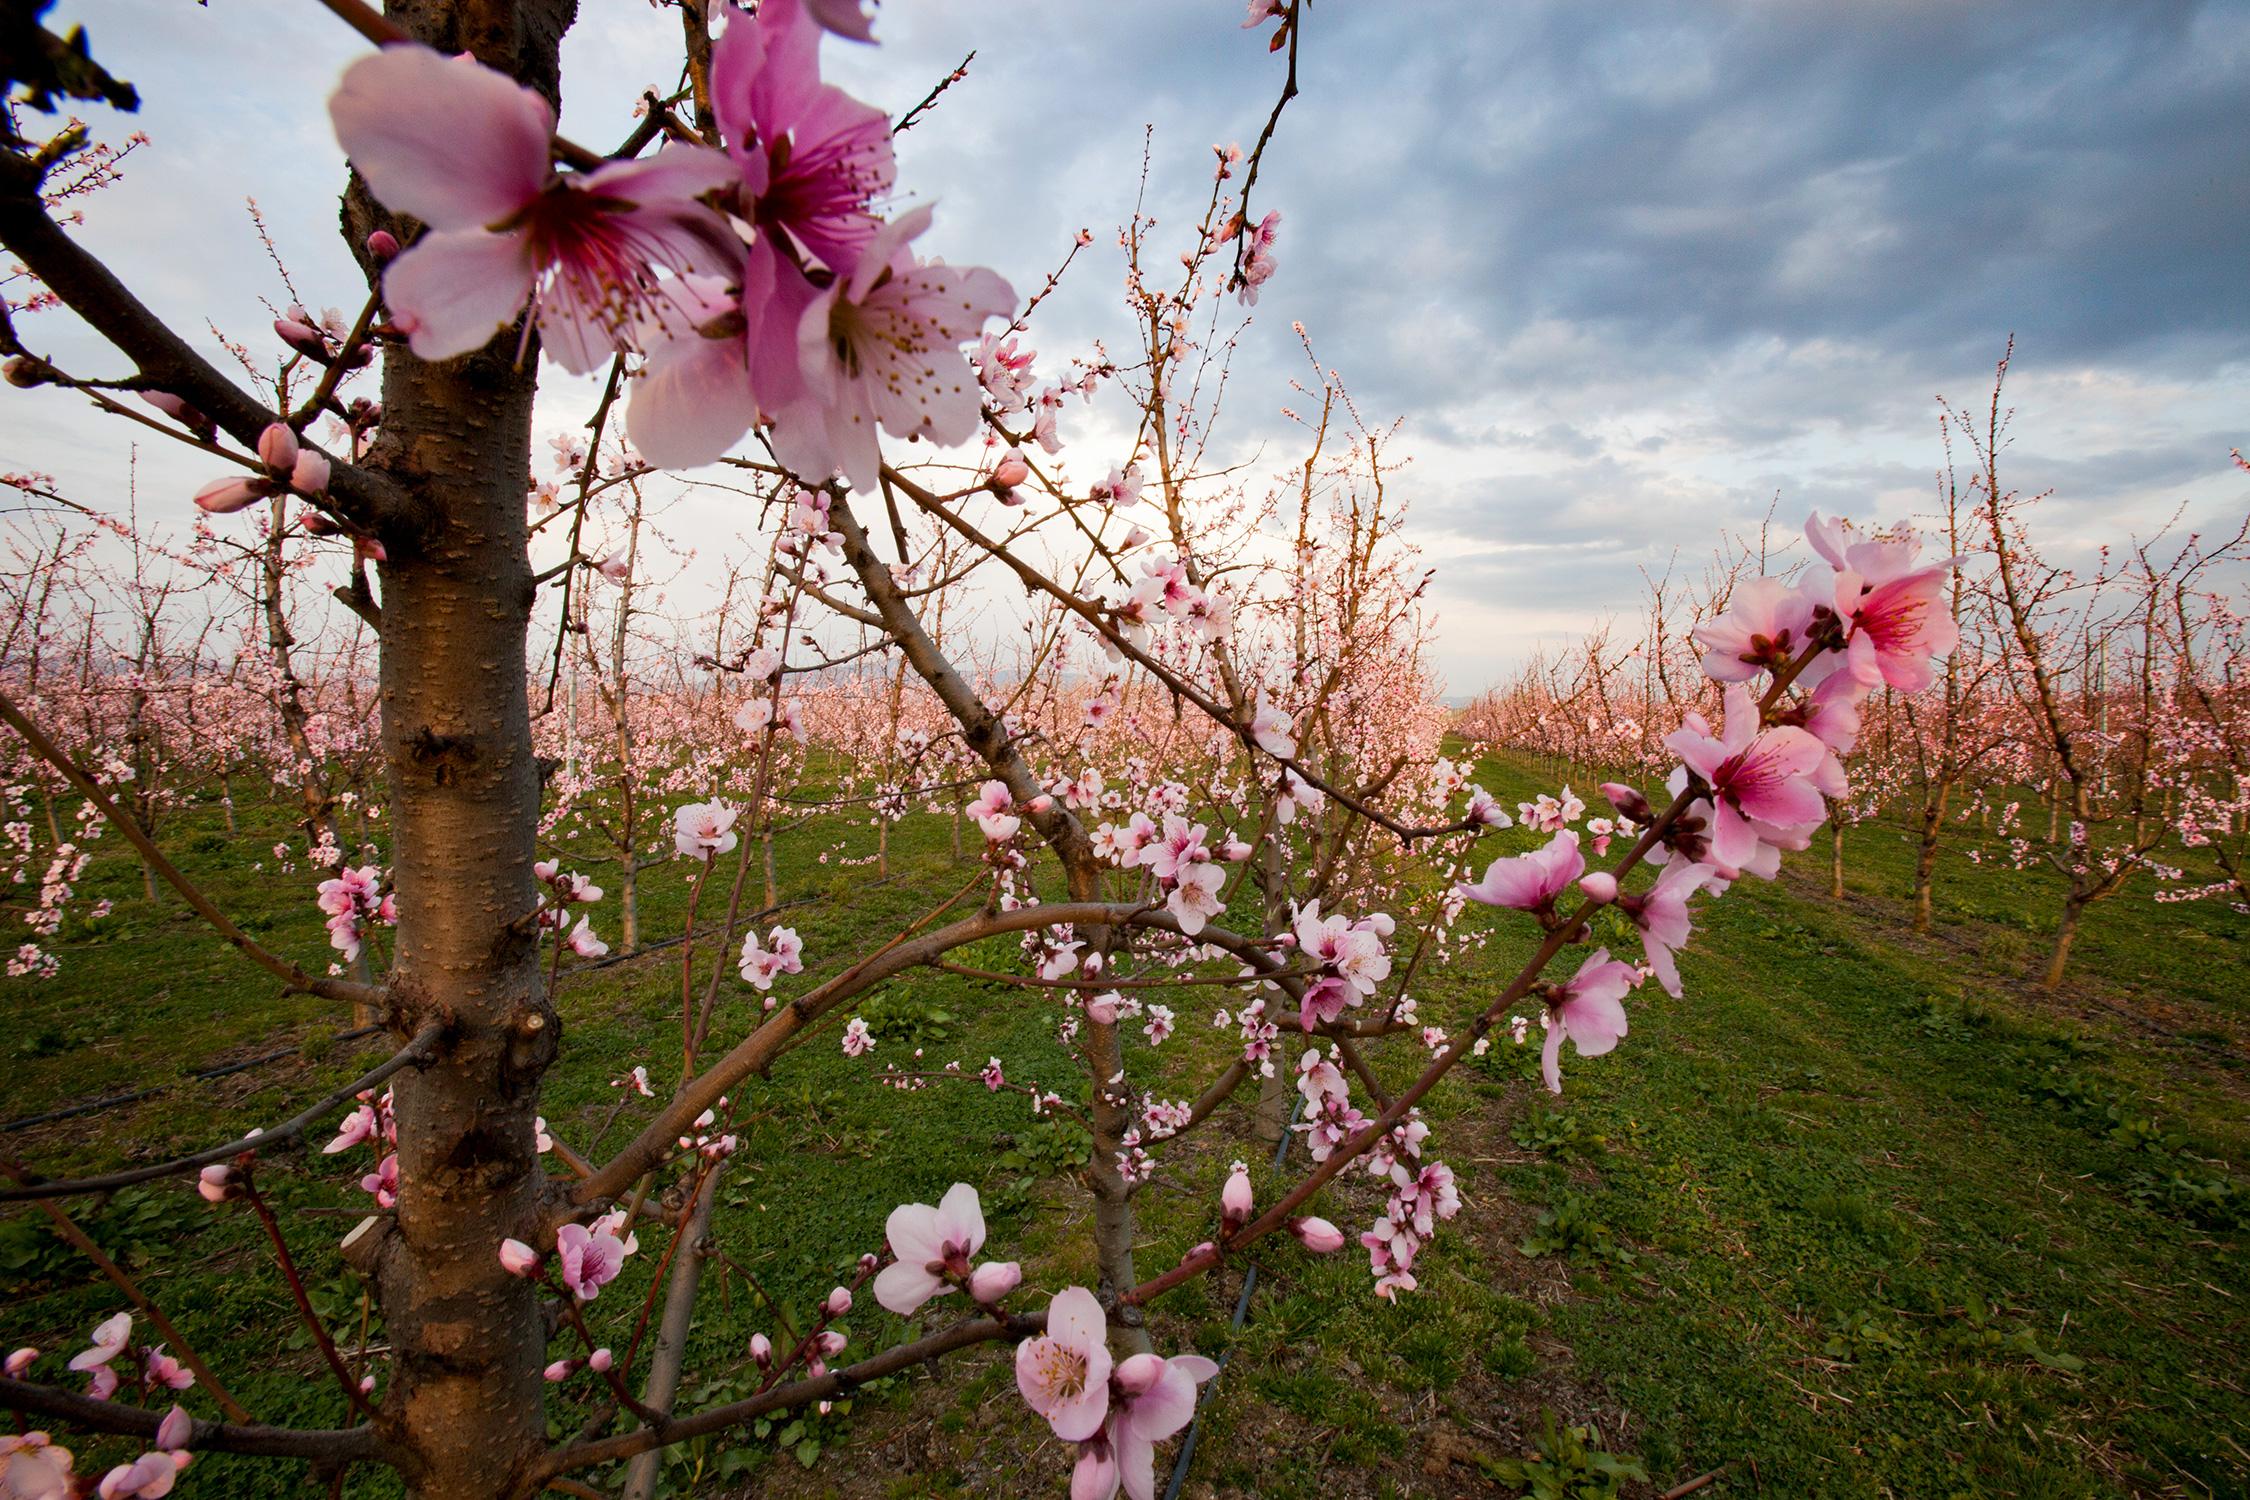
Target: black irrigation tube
[[1241, 1311], [115, 1101]]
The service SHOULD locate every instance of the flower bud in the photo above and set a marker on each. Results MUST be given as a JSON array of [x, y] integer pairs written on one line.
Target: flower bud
[[216, 1183], [382, 245], [1317, 1235], [1040, 803], [174, 1431], [839, 1302], [180, 412], [1600, 887], [869, 1262], [24, 372], [599, 1361], [309, 474], [830, 1341], [761, 1349], [302, 337], [20, 1361], [993, 1280], [1235, 1198], [277, 447], [1012, 471], [560, 1370], [519, 1258], [1627, 801], [223, 497]]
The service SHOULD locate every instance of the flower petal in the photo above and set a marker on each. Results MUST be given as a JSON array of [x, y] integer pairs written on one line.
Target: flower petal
[[457, 288], [444, 139]]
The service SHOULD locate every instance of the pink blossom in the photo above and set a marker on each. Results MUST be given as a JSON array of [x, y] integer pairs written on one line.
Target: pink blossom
[[1586, 1008], [176, 1429], [1661, 912], [1762, 630], [1273, 730], [19, 1361], [1155, 1398], [149, 1477], [383, 1182], [161, 1369], [993, 811], [1529, 882], [781, 953], [1064, 1372], [858, 1040], [583, 942], [1121, 489], [1899, 626], [1194, 900], [882, 347], [467, 151], [359, 1125], [701, 830], [33, 1468], [933, 1247], [110, 1338], [1755, 777], [588, 1261]]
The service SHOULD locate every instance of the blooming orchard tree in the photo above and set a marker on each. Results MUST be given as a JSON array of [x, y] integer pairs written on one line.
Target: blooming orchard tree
[[1209, 774]]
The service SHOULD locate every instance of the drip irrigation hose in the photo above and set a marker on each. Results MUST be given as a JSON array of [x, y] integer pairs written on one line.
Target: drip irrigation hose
[[1241, 1311]]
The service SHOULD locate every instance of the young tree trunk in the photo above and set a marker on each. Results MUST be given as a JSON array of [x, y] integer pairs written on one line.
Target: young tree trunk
[[1835, 858], [628, 904], [465, 1403], [1925, 867], [2074, 907]]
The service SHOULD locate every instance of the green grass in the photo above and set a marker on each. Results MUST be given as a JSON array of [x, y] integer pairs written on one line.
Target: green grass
[[1863, 1214]]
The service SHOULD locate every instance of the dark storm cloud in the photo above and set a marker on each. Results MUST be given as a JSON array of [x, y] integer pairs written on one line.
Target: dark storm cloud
[[1920, 177]]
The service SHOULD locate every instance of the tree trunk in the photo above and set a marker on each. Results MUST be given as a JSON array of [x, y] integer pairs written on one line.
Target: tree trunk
[[465, 1402], [628, 904], [2066, 934], [1835, 859], [1926, 851]]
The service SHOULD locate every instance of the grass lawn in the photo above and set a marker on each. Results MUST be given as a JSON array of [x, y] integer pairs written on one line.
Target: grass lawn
[[1862, 1215]]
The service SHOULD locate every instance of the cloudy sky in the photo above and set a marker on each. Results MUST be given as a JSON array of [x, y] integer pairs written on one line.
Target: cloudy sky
[[1632, 273]]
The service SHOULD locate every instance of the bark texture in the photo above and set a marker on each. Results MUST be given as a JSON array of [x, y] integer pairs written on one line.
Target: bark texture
[[464, 1411]]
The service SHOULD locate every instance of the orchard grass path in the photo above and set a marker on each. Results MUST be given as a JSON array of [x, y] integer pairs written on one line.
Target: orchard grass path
[[1863, 1215]]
